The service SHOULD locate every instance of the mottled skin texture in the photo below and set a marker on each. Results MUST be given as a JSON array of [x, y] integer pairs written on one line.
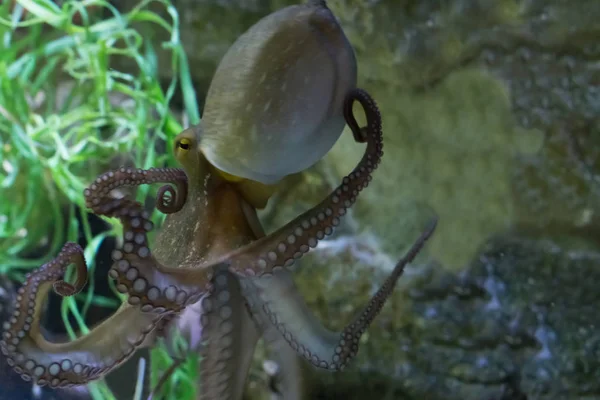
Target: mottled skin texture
[[211, 253]]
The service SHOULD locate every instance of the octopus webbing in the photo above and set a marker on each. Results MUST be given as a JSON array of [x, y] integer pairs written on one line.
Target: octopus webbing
[[212, 269]]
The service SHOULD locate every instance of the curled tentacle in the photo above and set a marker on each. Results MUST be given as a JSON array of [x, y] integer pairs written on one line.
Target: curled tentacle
[[174, 201], [71, 253], [281, 248], [78, 361], [360, 134], [150, 285], [287, 312], [99, 191]]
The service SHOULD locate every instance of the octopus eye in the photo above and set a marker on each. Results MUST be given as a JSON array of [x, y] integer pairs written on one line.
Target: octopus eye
[[184, 144]]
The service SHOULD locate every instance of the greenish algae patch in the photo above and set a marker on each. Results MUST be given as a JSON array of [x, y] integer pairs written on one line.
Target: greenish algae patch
[[448, 151]]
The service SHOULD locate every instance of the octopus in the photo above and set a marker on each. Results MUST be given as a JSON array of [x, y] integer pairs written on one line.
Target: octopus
[[212, 263]]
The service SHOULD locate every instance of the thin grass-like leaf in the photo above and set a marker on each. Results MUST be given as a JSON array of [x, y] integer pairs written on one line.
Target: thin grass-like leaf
[[64, 114]]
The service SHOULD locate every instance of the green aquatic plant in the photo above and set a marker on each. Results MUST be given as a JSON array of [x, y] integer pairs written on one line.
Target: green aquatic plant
[[65, 113]]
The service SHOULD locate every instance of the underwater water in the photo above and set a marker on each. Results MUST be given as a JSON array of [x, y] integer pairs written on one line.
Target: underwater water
[[491, 121]]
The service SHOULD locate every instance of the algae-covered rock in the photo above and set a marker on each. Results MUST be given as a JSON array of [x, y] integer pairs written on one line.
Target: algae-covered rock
[[521, 320], [534, 319]]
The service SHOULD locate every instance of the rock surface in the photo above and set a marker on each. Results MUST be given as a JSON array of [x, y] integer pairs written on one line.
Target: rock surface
[[519, 321]]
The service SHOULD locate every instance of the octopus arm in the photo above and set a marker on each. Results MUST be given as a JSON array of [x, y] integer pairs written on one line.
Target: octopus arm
[[280, 249], [79, 361], [150, 285], [288, 377], [230, 335], [289, 315]]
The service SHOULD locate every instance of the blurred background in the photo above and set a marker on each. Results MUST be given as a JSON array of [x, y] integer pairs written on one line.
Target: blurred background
[[491, 112]]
